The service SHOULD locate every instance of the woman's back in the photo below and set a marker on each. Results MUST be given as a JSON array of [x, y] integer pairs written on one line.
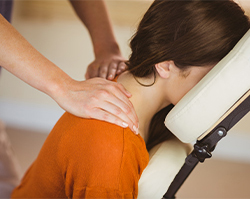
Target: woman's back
[[86, 158], [174, 47]]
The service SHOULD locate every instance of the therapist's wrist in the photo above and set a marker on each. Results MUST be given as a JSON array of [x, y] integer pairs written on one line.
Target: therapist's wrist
[[106, 47], [57, 86]]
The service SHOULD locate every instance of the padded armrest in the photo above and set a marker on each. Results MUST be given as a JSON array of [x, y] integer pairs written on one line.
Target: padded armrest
[[166, 159], [220, 89]]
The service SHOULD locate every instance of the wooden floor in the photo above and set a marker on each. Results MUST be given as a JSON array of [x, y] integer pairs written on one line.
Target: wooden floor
[[212, 179]]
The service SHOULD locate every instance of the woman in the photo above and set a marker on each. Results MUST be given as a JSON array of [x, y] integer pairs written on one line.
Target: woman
[[176, 44]]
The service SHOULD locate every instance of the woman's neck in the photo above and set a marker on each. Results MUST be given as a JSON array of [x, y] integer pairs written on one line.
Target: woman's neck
[[147, 101]]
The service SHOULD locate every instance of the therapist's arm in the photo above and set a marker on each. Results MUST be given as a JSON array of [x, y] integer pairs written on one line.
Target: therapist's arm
[[96, 98], [108, 59]]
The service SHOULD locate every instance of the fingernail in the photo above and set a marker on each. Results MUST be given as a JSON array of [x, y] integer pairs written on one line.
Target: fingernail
[[110, 76], [125, 125], [135, 130]]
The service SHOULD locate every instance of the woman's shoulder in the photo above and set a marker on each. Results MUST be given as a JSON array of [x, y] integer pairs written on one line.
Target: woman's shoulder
[[73, 132], [73, 126]]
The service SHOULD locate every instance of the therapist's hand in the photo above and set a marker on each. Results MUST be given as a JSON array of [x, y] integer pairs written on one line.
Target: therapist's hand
[[106, 65], [95, 98], [98, 98]]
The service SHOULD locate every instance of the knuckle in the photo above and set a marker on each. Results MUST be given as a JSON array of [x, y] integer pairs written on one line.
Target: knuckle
[[127, 110], [93, 99], [92, 66], [113, 66], [122, 65], [111, 87], [102, 69], [118, 111], [104, 93], [105, 116]]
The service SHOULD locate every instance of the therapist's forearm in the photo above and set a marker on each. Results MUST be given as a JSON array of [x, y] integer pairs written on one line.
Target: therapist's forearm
[[21, 59], [87, 99], [95, 17]]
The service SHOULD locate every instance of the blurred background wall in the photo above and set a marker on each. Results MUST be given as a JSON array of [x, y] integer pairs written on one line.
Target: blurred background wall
[[53, 29]]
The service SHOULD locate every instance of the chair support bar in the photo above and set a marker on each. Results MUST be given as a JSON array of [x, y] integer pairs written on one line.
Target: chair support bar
[[203, 148]]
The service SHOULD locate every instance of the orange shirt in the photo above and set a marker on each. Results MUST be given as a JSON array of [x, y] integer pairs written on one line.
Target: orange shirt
[[84, 158]]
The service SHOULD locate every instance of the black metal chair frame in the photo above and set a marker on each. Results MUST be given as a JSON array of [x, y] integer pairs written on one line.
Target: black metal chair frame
[[203, 148]]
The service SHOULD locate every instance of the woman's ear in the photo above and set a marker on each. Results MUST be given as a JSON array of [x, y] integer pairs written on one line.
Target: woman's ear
[[164, 69]]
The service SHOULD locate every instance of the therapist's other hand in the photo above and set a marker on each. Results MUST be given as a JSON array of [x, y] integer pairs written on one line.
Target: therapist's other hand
[[107, 66], [100, 99]]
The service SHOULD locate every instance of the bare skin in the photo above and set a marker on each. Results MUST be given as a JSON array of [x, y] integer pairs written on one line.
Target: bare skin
[[170, 86], [108, 59], [77, 97]]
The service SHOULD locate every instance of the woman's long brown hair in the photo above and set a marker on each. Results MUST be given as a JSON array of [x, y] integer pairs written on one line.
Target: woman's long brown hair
[[190, 33]]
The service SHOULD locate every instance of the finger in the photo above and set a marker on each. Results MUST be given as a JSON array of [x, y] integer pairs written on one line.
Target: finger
[[92, 71], [121, 120], [87, 76], [121, 68], [126, 92], [127, 108], [119, 100], [112, 70], [103, 70]]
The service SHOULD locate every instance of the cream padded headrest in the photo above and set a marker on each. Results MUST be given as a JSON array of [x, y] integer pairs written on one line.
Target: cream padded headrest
[[203, 105]]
